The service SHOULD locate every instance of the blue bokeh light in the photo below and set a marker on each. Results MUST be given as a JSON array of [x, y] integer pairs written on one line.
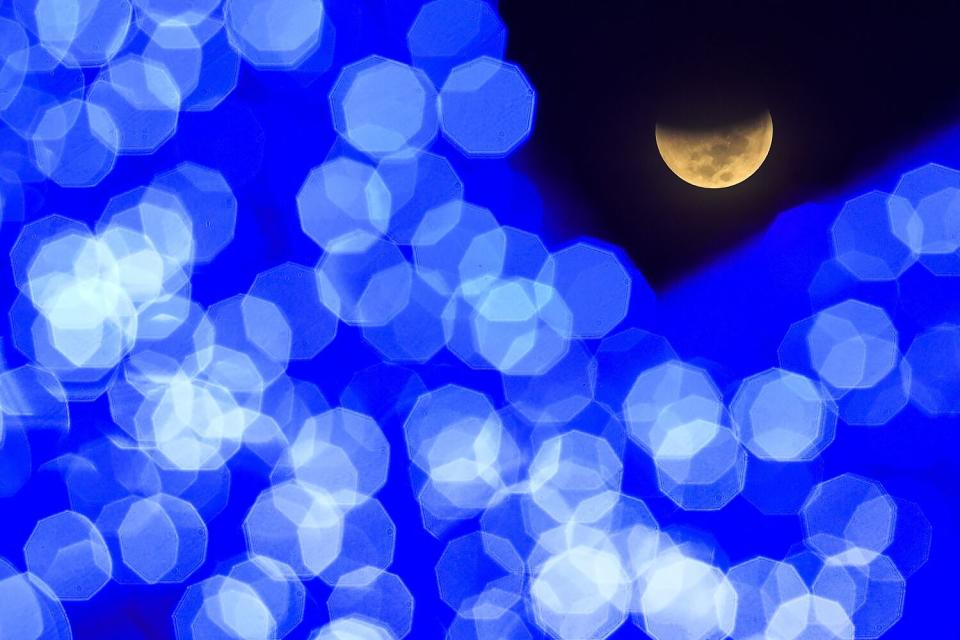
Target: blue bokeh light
[[486, 107], [290, 354]]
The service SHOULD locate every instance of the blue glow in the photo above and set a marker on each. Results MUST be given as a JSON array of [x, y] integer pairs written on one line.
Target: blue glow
[[384, 107], [159, 539], [448, 32], [83, 33], [934, 360], [853, 345], [291, 354], [344, 206], [274, 33], [781, 415], [174, 12], [208, 201], [14, 52], [30, 610], [486, 107], [367, 288], [370, 593], [68, 553], [67, 128], [199, 59], [143, 100], [866, 237], [932, 230]]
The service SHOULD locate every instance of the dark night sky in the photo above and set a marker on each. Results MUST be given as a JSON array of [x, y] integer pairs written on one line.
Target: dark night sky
[[848, 82]]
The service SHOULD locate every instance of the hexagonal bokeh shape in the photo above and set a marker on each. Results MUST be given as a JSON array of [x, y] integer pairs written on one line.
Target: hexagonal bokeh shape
[[65, 128], [519, 326], [384, 107], [448, 32], [444, 250], [576, 477], [669, 395], [293, 289], [463, 458], [195, 424], [162, 539], [352, 628], [53, 230], [783, 416], [159, 215], [687, 596], [486, 107], [85, 295], [560, 393], [342, 452], [29, 610], [916, 184], [934, 232], [173, 11], [881, 604], [366, 289], [912, 538], [298, 524], [88, 36], [700, 465], [373, 594], [196, 51], [864, 240], [934, 365], [580, 592], [933, 229], [417, 185], [474, 565], [415, 334], [274, 34], [209, 202], [68, 553], [762, 585], [853, 345], [265, 328], [14, 48], [142, 99], [344, 206], [278, 587], [369, 540], [810, 616], [223, 607], [593, 283], [440, 411], [849, 519]]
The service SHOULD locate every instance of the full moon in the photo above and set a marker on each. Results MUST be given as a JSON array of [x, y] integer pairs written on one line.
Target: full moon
[[719, 157]]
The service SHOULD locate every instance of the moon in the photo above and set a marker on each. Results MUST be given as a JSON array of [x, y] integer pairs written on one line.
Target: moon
[[719, 157]]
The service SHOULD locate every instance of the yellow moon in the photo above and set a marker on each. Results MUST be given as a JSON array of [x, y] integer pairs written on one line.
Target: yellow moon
[[716, 158]]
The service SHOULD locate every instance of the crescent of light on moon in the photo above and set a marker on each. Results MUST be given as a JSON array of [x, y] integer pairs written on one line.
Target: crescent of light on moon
[[716, 158]]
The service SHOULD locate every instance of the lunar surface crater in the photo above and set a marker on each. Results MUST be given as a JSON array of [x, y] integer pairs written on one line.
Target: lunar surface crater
[[719, 157]]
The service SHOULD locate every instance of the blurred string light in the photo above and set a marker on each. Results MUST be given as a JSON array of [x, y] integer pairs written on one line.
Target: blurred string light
[[526, 483]]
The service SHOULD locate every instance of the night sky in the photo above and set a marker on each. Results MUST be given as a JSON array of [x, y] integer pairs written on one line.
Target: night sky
[[849, 85]]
